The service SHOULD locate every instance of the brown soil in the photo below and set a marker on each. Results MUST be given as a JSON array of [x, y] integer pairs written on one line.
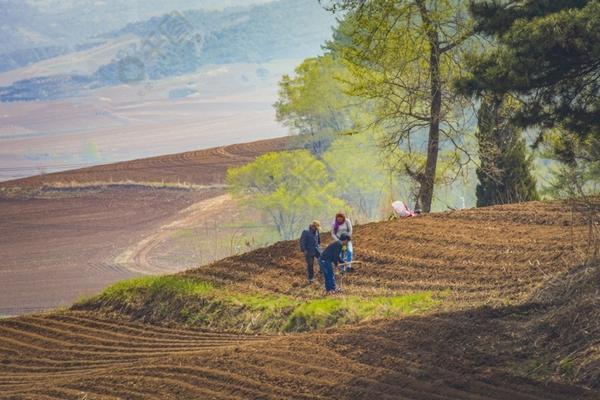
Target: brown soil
[[75, 356], [202, 167], [60, 244], [495, 256], [55, 250], [477, 349]]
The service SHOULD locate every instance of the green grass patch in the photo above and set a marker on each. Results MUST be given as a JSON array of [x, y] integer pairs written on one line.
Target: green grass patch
[[133, 292], [322, 313], [567, 367], [163, 285], [197, 303], [258, 302]]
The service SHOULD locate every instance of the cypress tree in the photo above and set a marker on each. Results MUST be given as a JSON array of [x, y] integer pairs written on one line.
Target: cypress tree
[[504, 171]]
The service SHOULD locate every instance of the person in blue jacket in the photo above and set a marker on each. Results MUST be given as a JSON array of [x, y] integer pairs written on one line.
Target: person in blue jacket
[[330, 256], [310, 245]]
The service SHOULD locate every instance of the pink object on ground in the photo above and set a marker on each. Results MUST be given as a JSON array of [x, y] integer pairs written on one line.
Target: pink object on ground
[[402, 209]]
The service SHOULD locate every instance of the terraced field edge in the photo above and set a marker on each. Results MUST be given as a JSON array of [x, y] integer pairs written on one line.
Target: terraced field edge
[[200, 304]]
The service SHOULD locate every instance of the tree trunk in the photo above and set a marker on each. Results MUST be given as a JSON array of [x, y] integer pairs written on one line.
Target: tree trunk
[[428, 181]]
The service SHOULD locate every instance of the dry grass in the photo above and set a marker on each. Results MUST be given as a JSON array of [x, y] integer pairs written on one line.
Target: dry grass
[[53, 189]]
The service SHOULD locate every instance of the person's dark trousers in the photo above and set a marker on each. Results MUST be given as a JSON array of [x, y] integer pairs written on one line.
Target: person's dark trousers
[[310, 266], [327, 269]]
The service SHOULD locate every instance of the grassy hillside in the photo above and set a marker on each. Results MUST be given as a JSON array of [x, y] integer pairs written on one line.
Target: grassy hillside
[[200, 304]]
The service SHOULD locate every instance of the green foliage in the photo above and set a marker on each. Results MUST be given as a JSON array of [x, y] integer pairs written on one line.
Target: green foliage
[[577, 175], [547, 53], [291, 187], [401, 57], [382, 92], [567, 367], [183, 299], [156, 285], [259, 302], [294, 188], [504, 169], [322, 313], [359, 174], [313, 103]]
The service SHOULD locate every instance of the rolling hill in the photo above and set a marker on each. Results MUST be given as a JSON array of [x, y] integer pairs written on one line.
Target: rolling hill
[[63, 232], [27, 26], [491, 303]]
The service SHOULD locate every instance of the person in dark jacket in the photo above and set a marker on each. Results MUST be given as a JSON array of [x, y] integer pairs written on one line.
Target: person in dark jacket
[[310, 245], [333, 255]]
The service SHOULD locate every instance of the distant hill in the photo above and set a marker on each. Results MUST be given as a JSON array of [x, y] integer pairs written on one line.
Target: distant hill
[[35, 24], [20, 58], [180, 42]]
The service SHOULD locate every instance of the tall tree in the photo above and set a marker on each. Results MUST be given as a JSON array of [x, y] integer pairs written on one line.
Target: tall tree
[[547, 53], [504, 169], [402, 55], [548, 56]]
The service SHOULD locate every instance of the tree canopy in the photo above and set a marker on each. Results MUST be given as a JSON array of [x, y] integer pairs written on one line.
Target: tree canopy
[[504, 169], [313, 103], [402, 57], [291, 187], [547, 54], [359, 174]]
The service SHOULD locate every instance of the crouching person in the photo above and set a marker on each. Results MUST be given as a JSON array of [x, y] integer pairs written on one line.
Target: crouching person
[[310, 245], [330, 256]]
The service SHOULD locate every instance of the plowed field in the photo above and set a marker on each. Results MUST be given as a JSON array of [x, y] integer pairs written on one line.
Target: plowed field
[[202, 167], [81, 356], [479, 256], [59, 242], [488, 262]]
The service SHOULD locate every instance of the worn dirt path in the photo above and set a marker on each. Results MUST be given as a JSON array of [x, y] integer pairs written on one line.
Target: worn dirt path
[[60, 244], [136, 258]]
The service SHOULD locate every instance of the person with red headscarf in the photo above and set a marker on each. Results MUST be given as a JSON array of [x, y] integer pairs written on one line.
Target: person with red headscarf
[[342, 225]]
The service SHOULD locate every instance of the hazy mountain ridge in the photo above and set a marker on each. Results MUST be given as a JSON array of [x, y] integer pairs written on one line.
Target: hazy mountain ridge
[[26, 24], [180, 42], [46, 88], [24, 57]]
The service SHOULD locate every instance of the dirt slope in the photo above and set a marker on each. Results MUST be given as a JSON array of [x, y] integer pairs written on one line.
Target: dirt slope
[[494, 255], [568, 329], [202, 167], [75, 356], [60, 244], [474, 348], [55, 250]]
